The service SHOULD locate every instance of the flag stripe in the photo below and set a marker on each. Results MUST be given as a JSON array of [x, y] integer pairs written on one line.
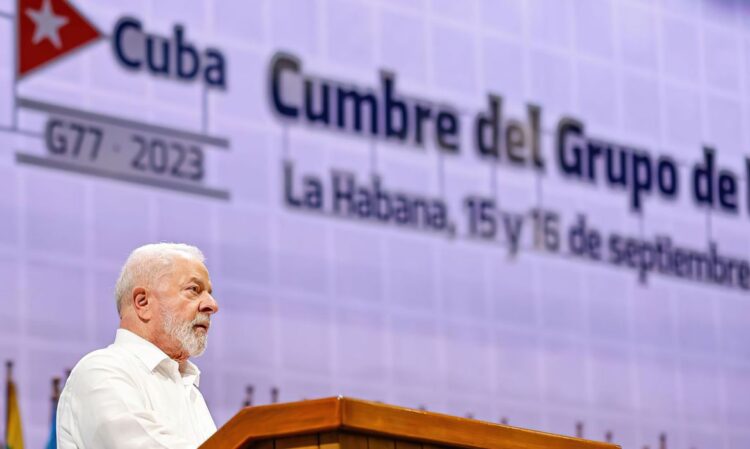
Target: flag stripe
[[13, 430]]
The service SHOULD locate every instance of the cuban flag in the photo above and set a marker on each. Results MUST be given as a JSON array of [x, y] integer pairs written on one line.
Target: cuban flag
[[47, 30]]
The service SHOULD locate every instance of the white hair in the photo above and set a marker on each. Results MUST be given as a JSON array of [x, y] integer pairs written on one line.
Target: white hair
[[147, 263]]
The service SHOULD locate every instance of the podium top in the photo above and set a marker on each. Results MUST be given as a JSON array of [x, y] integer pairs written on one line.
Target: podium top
[[346, 414]]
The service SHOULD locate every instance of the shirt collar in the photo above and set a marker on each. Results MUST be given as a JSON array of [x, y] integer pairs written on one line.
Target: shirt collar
[[152, 356]]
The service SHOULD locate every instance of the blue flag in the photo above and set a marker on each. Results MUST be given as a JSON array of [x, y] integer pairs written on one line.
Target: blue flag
[[52, 443]]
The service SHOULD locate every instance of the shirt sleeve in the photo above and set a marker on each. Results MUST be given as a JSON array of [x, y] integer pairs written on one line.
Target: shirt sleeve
[[108, 411]]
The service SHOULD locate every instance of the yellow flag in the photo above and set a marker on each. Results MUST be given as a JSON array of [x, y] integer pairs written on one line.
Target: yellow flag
[[13, 432]]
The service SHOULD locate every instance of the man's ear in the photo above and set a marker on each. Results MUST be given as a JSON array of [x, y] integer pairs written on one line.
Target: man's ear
[[142, 303]]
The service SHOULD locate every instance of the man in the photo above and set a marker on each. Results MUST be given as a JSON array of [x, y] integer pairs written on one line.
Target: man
[[142, 391]]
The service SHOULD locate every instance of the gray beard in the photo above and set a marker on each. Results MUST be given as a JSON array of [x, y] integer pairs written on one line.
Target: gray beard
[[190, 340]]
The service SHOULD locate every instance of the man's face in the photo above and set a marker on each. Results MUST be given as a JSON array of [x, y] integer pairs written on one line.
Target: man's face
[[185, 305]]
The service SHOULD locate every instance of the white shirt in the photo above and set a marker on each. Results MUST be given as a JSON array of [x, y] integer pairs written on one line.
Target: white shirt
[[132, 395]]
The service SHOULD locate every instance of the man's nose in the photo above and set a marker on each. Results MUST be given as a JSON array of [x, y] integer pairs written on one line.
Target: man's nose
[[209, 305]]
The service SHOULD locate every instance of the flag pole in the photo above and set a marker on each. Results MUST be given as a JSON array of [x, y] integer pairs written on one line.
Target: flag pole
[[16, 65], [249, 390], [52, 442], [8, 380], [55, 390]]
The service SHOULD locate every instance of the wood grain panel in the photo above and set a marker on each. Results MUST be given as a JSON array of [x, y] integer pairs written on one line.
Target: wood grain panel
[[298, 442], [262, 444], [407, 445], [374, 442], [434, 428], [277, 420], [379, 420], [329, 440], [352, 440]]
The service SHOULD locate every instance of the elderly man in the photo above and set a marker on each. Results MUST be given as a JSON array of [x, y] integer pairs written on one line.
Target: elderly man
[[142, 391]]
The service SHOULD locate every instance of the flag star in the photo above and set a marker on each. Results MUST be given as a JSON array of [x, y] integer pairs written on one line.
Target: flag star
[[47, 24]]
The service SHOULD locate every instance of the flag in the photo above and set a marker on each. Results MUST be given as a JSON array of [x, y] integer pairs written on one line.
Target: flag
[[13, 432], [52, 442], [47, 30]]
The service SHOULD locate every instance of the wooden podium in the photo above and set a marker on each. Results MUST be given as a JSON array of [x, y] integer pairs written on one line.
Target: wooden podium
[[343, 423]]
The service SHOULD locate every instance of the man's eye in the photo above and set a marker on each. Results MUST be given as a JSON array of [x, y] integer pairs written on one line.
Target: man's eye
[[194, 289]]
